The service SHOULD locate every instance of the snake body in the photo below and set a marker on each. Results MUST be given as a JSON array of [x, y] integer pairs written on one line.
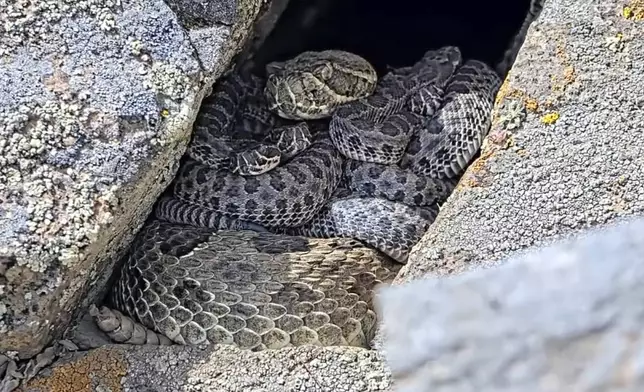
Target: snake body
[[253, 290], [288, 195], [324, 149], [377, 128]]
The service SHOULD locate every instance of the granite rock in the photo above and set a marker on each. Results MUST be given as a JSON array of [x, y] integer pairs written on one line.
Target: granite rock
[[216, 368]]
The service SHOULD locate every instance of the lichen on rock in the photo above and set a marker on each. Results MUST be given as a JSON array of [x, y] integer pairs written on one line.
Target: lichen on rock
[[97, 99]]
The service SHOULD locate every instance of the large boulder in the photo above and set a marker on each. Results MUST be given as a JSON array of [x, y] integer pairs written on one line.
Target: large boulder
[[568, 317], [563, 157], [97, 101], [563, 154]]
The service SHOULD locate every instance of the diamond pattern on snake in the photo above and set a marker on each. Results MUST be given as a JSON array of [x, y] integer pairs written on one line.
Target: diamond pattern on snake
[[298, 194]]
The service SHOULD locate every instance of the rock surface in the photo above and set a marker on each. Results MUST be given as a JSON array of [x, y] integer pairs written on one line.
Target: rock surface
[[217, 368], [567, 318], [97, 101], [565, 149]]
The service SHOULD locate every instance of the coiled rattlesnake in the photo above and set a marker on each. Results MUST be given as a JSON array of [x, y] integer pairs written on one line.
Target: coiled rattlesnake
[[374, 170]]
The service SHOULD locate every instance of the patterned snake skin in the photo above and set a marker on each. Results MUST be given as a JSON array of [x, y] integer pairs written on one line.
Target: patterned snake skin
[[226, 259], [313, 84], [230, 132], [377, 128], [253, 290]]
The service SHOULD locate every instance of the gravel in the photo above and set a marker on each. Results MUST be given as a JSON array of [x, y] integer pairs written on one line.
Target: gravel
[[575, 161]]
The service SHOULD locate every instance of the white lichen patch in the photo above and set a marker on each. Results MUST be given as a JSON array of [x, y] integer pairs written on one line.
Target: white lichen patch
[[169, 80], [28, 22], [64, 205], [512, 114], [67, 147], [616, 43], [136, 46]]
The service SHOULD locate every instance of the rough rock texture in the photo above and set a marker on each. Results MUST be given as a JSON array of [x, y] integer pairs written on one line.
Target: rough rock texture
[[567, 318], [217, 368], [97, 100], [565, 149]]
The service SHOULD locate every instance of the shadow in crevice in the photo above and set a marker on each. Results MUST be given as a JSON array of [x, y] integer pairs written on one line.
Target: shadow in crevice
[[395, 34]]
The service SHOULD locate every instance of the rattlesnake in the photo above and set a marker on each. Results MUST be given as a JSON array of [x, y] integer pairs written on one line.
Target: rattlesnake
[[254, 290], [373, 171]]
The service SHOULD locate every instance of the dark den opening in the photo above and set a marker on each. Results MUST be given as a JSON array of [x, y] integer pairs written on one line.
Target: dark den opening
[[395, 33]]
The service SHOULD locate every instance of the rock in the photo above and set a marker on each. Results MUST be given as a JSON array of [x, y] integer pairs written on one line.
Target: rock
[[564, 318], [97, 101], [563, 157], [216, 368], [564, 151]]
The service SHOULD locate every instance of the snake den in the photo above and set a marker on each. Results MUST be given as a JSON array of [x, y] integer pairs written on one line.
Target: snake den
[[317, 160], [315, 166]]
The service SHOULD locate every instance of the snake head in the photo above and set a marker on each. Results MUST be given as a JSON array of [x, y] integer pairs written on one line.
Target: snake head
[[280, 96], [256, 161], [311, 85]]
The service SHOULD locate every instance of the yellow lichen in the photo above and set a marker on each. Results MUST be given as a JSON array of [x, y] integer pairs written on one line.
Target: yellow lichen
[[522, 152], [503, 92], [621, 180], [165, 113], [509, 142], [634, 11], [550, 118]]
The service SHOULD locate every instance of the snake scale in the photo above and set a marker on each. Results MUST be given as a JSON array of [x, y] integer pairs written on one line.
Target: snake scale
[[297, 195]]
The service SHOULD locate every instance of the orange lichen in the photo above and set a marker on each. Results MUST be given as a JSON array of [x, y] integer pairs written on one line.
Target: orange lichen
[[569, 75], [475, 174], [531, 105], [522, 152], [559, 83], [505, 91], [103, 366], [58, 81]]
